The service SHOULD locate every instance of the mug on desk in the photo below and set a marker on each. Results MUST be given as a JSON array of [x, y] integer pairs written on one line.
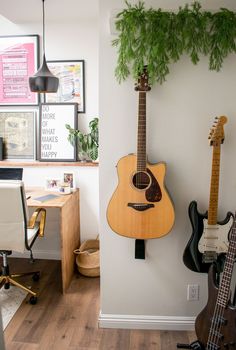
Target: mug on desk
[[64, 188]]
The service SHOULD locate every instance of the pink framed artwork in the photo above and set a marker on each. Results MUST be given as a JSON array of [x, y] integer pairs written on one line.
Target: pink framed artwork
[[18, 61]]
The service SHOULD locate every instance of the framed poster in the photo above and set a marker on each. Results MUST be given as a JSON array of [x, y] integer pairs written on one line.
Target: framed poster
[[71, 83], [53, 135], [17, 127], [18, 61]]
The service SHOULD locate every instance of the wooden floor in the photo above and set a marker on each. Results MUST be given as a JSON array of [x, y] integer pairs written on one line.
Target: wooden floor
[[60, 322]]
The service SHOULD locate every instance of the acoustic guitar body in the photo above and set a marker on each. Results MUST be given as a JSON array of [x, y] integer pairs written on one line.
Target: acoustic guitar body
[[140, 213], [227, 337]]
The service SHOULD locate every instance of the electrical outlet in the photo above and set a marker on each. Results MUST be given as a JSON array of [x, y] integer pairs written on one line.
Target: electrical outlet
[[193, 292]]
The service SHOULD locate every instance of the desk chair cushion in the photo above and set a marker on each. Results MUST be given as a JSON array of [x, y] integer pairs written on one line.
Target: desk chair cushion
[[17, 232], [14, 217]]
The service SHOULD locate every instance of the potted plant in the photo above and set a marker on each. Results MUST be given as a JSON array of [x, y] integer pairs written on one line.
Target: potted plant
[[157, 38], [87, 144]]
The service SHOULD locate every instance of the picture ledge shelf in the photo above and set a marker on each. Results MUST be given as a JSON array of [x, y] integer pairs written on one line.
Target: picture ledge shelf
[[43, 164]]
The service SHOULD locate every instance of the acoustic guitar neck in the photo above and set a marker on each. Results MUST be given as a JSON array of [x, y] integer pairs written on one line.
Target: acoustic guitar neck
[[141, 142]]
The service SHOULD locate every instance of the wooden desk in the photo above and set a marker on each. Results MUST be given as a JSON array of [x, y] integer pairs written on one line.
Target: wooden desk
[[69, 226]]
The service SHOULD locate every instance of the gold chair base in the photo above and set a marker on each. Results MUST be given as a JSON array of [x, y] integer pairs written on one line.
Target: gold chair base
[[10, 280]]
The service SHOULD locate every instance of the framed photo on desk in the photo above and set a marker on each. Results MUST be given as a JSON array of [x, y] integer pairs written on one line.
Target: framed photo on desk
[[69, 178]]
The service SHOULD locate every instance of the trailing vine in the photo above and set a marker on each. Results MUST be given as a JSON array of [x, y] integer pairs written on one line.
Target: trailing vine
[[157, 38]]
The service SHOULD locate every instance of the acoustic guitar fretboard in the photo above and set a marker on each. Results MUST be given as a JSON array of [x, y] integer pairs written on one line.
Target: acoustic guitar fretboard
[[141, 144]]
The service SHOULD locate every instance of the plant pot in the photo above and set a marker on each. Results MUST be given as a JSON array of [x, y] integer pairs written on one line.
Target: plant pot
[[83, 157]]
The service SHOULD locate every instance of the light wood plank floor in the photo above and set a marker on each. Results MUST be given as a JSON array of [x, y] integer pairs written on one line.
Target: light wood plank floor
[[60, 322]]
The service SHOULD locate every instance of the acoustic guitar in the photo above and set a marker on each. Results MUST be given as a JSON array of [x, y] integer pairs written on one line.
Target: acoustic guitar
[[209, 239], [216, 324], [140, 207]]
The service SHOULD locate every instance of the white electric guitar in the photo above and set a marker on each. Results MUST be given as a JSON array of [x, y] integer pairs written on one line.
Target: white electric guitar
[[215, 237]]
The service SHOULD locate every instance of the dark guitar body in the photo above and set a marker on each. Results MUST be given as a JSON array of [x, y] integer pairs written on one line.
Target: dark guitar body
[[192, 258], [203, 320]]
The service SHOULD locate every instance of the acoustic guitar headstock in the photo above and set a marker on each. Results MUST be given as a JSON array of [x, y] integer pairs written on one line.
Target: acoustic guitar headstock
[[142, 84], [216, 135]]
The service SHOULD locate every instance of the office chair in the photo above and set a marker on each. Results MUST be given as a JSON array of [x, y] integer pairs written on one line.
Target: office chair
[[17, 233]]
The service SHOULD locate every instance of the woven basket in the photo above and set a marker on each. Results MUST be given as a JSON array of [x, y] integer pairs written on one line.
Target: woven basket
[[87, 258]]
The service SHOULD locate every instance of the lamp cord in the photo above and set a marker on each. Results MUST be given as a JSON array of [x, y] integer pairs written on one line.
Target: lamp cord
[[43, 28]]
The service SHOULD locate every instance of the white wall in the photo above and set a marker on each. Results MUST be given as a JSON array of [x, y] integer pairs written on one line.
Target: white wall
[[68, 40], [179, 115]]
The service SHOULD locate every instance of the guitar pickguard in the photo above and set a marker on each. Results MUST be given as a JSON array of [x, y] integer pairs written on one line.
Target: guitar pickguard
[[215, 238], [192, 257], [153, 193]]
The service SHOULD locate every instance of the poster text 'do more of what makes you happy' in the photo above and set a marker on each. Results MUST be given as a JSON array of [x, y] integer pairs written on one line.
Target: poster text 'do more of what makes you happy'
[[54, 145], [48, 137]]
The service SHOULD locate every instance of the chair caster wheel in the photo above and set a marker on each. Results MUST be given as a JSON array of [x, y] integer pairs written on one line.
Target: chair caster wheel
[[33, 300], [36, 276], [6, 285]]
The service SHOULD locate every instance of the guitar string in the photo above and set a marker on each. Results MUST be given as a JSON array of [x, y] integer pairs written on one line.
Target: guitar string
[[213, 337], [218, 315], [212, 341], [212, 215], [214, 332], [142, 136]]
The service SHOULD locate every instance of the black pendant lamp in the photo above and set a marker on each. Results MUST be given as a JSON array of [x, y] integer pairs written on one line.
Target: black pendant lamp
[[43, 80]]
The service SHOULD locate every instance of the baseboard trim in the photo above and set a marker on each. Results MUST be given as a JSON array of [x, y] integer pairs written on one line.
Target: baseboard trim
[[177, 323], [40, 254]]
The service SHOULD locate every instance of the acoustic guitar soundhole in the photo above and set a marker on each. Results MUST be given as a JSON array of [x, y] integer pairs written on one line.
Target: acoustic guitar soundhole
[[141, 180]]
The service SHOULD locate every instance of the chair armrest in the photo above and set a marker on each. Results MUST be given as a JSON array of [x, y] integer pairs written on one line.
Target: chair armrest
[[32, 220]]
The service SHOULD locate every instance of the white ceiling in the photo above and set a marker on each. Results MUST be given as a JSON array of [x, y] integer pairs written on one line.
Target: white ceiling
[[19, 11]]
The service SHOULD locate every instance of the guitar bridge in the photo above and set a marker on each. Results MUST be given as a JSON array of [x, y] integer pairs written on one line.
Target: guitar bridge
[[140, 206], [209, 257]]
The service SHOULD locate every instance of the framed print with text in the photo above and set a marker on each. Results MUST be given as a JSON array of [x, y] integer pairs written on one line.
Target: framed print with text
[[71, 83], [17, 127], [53, 134], [18, 61]]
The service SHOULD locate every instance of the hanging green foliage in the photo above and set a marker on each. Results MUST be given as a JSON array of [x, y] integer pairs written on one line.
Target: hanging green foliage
[[157, 38]]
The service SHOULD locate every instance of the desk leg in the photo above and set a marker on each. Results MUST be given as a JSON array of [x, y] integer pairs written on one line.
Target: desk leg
[[70, 238]]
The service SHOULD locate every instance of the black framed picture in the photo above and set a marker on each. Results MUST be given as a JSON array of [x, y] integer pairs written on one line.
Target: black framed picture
[[53, 135], [19, 57], [71, 83], [17, 127]]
